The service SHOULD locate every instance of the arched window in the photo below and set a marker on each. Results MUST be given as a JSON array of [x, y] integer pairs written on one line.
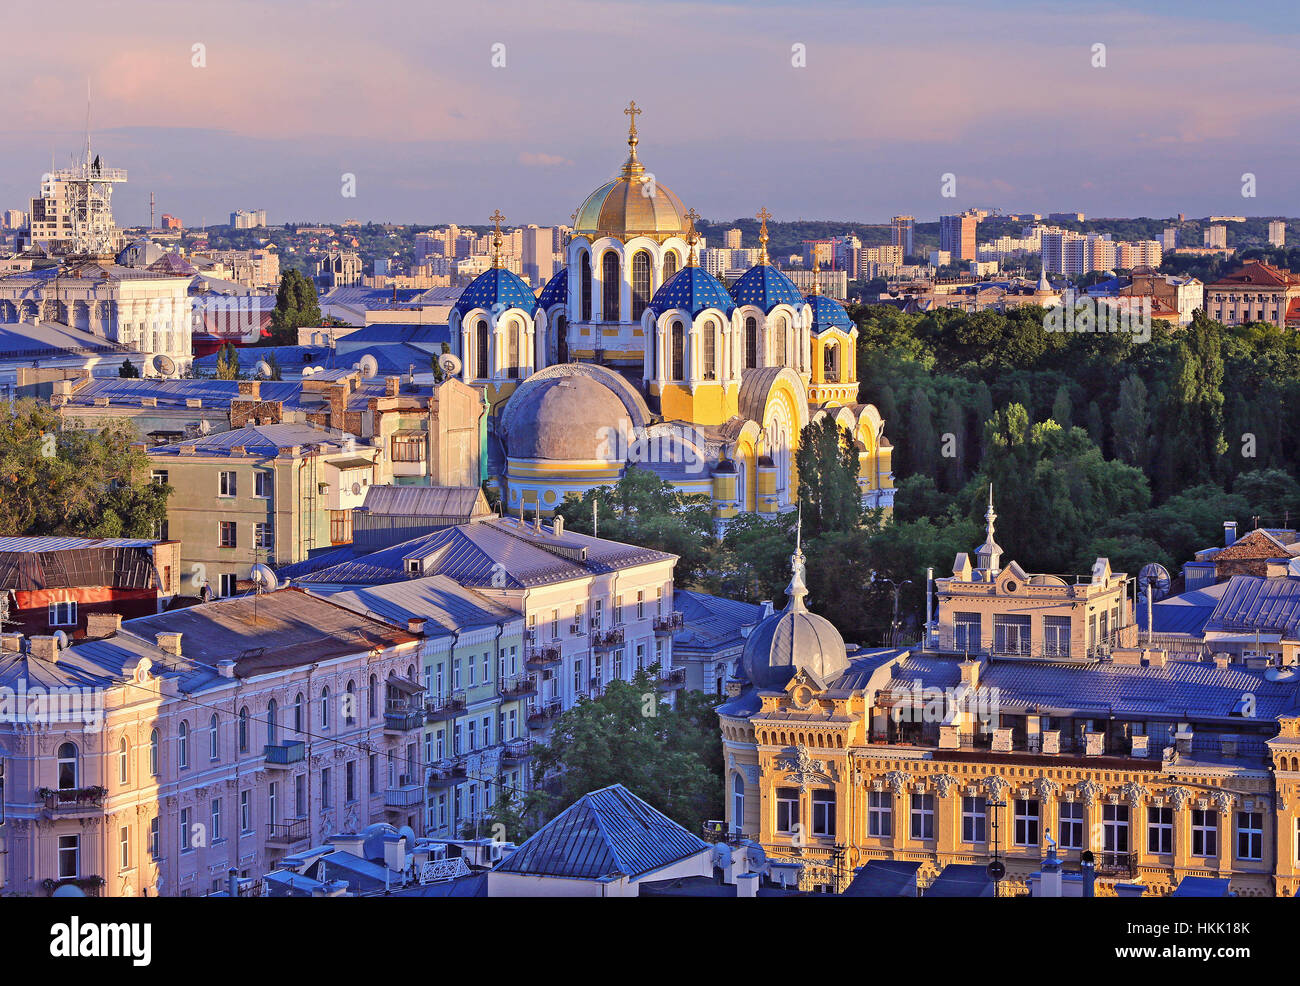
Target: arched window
[[678, 342], [372, 699], [214, 739], [751, 343], [350, 705], [781, 342], [272, 723], [512, 348], [737, 803], [709, 369], [670, 265], [67, 767], [124, 762], [830, 362], [243, 729], [153, 752], [297, 714], [561, 339], [325, 708], [640, 283], [183, 745], [610, 286], [481, 349], [584, 278]]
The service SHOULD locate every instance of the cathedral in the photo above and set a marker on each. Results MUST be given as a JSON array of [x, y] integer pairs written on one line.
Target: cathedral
[[633, 354]]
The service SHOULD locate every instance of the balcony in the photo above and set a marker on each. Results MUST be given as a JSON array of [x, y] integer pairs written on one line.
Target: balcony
[[90, 886], [398, 721], [608, 640], [520, 686], [541, 715], [405, 794], [282, 835], [1115, 863], [666, 626], [517, 750], [283, 755], [446, 773], [546, 657], [445, 707], [71, 799], [672, 679]]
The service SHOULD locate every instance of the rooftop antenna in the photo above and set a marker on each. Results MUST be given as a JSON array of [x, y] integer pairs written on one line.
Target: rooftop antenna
[[595, 518]]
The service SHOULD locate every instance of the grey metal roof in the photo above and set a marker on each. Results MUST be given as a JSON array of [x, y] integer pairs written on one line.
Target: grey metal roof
[[30, 563], [1185, 613], [444, 603], [607, 833], [711, 622], [1252, 602], [260, 441], [961, 880], [426, 501], [30, 340]]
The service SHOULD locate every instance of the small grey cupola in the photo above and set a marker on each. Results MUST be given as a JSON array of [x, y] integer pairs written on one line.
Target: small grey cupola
[[988, 556]]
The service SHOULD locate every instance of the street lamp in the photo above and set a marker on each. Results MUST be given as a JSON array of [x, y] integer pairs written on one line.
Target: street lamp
[[896, 588]]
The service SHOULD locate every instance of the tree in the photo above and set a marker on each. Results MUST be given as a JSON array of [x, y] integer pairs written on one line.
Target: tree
[[1131, 425], [128, 370], [1062, 410], [952, 447], [828, 465], [296, 305], [228, 362], [274, 364], [752, 562]]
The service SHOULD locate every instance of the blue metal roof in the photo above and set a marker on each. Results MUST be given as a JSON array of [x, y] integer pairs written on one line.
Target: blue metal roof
[[692, 289], [607, 833], [497, 286], [712, 623], [1251, 602], [766, 287], [828, 314], [556, 291]]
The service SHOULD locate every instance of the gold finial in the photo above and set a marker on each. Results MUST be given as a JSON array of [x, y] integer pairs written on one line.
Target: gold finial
[[497, 219], [763, 216], [632, 165], [817, 269], [692, 237]]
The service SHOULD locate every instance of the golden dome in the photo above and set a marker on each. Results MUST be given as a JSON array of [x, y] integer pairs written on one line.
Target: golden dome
[[633, 204]]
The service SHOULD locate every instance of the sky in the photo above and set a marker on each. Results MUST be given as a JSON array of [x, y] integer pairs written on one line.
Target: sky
[[814, 110]]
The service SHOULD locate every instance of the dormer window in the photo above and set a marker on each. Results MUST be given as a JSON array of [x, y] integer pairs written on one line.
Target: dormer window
[[413, 566]]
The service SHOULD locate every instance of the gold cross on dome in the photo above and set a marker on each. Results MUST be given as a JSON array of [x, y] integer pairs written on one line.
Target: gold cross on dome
[[763, 215], [633, 112], [692, 237], [497, 219]]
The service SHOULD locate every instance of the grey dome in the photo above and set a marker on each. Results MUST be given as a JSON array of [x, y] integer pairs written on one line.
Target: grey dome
[[792, 640], [565, 417]]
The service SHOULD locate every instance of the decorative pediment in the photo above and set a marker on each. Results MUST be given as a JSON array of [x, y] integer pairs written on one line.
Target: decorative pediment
[[802, 768]]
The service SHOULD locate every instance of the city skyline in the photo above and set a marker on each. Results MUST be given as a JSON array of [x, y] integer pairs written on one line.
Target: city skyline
[[434, 133]]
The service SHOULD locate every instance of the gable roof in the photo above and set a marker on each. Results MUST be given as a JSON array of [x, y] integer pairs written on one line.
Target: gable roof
[[1257, 274], [605, 834]]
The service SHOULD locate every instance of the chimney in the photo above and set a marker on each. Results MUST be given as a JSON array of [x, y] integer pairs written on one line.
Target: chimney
[[224, 668], [170, 642], [767, 607], [101, 625], [250, 388], [392, 386], [348, 842], [415, 625], [747, 885], [1089, 873], [557, 526], [232, 882], [970, 673], [1050, 882], [395, 853], [46, 648], [1229, 533], [11, 642]]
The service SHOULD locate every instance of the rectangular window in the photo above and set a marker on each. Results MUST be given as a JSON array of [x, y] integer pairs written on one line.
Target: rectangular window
[[69, 857], [922, 816], [350, 781], [1010, 634], [63, 614], [226, 536], [300, 796], [153, 837], [226, 483], [245, 812], [1160, 829], [577, 675], [159, 477], [966, 632], [228, 583], [1071, 832], [1056, 636], [1026, 822], [185, 830], [1250, 835], [124, 847], [215, 834], [880, 814], [341, 529], [787, 809], [823, 813], [640, 604], [408, 448], [1205, 832], [264, 537], [1114, 828], [974, 820], [263, 484], [326, 795]]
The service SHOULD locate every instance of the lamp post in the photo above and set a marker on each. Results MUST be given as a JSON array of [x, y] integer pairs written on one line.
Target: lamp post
[[896, 587]]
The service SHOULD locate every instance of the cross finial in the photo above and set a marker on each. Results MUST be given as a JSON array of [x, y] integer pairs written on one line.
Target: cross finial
[[632, 166], [497, 220], [763, 216], [692, 237], [632, 112]]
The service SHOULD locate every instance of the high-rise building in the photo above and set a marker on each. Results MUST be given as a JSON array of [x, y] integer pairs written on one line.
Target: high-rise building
[[537, 254], [901, 230], [1277, 233], [957, 235], [1216, 237], [1169, 238], [732, 239], [170, 222], [248, 219]]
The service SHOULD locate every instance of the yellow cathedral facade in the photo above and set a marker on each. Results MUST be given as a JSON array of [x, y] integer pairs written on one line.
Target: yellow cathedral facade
[[634, 355]]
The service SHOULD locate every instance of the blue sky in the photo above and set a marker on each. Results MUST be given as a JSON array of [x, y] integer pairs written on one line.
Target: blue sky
[[404, 95]]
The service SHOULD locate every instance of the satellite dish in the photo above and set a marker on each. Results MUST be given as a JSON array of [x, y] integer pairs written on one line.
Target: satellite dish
[[450, 364], [68, 890], [61, 639], [356, 489], [164, 365], [369, 366], [263, 369], [308, 371], [264, 578], [1155, 579]]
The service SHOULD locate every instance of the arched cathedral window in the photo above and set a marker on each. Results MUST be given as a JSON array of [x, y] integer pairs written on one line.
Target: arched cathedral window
[[751, 343], [609, 286], [670, 265], [585, 277], [481, 349], [640, 283], [678, 343], [709, 370]]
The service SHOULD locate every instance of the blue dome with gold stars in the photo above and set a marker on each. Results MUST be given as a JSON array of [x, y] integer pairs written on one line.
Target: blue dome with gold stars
[[766, 287], [497, 286], [828, 314], [693, 289], [556, 291]]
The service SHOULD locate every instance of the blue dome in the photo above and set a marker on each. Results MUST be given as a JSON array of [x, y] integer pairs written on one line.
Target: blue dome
[[556, 291], [766, 287], [828, 314], [693, 289], [497, 286]]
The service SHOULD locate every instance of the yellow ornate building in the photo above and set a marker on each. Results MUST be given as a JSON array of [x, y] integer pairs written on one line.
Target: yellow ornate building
[[1161, 769], [634, 354]]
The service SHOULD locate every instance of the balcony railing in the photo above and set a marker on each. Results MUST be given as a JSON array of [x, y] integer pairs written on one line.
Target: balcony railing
[[446, 773], [577, 628], [405, 794], [445, 707], [517, 750], [1115, 863], [546, 657], [541, 714], [72, 798], [404, 721], [287, 833], [672, 678], [284, 754], [517, 687], [669, 624], [91, 886], [608, 640]]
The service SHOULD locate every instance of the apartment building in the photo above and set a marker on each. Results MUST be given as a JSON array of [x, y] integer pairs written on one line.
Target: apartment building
[[1255, 292], [957, 235]]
